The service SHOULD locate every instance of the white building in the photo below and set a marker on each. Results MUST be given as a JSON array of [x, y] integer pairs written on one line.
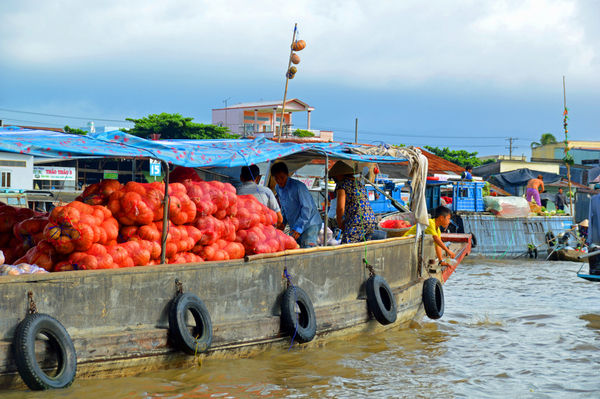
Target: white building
[[264, 117], [16, 171]]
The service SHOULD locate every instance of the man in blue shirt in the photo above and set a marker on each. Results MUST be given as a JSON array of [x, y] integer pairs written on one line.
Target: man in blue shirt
[[466, 175], [297, 206]]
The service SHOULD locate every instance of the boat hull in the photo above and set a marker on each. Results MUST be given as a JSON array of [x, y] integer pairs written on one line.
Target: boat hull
[[507, 238], [118, 319]]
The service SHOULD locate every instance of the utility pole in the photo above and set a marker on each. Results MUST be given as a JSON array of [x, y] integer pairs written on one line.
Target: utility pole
[[225, 101], [356, 132], [510, 146]]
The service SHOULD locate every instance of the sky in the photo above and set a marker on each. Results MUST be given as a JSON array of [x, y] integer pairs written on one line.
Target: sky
[[462, 74]]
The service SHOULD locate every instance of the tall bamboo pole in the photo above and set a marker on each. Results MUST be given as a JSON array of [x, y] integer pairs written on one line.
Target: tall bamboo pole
[[287, 79], [567, 149]]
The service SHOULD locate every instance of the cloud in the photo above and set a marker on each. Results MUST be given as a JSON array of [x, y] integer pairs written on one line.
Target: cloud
[[390, 44]]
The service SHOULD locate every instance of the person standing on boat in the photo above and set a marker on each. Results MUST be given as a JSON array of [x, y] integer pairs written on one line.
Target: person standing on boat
[[297, 207], [250, 177], [441, 218], [534, 188], [467, 174], [583, 229], [560, 200], [594, 221], [354, 214]]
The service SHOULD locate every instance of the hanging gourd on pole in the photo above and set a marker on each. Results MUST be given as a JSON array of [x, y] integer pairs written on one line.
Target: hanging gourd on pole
[[297, 45], [568, 158]]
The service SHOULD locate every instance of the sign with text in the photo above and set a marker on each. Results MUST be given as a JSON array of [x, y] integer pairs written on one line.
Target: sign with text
[[155, 169], [111, 174], [53, 173], [308, 181]]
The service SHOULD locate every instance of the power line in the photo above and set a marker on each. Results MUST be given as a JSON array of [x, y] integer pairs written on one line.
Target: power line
[[63, 116], [373, 133]]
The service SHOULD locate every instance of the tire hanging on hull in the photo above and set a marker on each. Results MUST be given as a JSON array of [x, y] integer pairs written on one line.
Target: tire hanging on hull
[[302, 325], [200, 340], [433, 298], [24, 351], [381, 300]]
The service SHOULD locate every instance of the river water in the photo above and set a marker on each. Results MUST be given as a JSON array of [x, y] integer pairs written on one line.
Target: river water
[[511, 329]]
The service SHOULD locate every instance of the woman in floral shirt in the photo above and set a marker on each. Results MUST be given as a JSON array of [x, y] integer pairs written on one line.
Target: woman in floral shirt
[[353, 213]]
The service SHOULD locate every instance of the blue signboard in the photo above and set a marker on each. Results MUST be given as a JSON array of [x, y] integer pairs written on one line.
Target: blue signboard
[[155, 169]]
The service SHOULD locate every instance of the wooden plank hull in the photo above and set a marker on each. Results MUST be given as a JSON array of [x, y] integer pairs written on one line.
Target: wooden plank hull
[[118, 319], [569, 255]]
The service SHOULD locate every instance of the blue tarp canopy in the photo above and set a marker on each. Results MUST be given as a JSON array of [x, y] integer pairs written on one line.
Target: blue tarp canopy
[[48, 144], [520, 177], [191, 153]]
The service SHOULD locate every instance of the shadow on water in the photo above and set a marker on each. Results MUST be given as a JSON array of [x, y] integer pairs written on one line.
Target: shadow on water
[[592, 319]]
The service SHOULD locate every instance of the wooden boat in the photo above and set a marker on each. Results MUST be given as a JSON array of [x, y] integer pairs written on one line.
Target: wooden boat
[[120, 322], [118, 318], [569, 255]]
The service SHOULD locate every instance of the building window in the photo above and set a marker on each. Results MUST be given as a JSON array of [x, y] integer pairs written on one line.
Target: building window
[[18, 164], [5, 182], [259, 118]]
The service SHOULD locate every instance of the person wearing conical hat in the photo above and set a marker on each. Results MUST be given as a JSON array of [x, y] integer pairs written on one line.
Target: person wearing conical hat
[[583, 229], [354, 213]]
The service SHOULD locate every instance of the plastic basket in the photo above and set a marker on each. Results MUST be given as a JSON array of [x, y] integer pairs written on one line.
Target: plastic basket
[[408, 216]]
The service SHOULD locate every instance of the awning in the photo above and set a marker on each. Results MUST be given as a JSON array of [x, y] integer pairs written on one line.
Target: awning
[[520, 177]]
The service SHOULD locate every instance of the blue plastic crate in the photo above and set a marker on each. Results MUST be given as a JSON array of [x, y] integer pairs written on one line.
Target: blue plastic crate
[[433, 196], [383, 204], [467, 196]]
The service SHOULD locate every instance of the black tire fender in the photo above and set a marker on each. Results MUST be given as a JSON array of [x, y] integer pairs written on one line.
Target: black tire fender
[[550, 239], [303, 325], [200, 340], [533, 253], [473, 241], [433, 298], [381, 300], [24, 352]]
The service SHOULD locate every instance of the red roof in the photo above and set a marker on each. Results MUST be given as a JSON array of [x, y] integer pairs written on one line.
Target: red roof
[[565, 183], [440, 165]]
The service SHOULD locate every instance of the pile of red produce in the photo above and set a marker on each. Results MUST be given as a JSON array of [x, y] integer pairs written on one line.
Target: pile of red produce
[[395, 224], [112, 225]]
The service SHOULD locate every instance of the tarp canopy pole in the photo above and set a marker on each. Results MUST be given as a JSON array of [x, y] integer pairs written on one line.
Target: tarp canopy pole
[[165, 232]]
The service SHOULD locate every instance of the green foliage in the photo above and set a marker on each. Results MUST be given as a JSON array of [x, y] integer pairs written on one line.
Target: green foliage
[[568, 159], [71, 130], [485, 190], [303, 133], [547, 138], [398, 145], [175, 126], [460, 157], [488, 161]]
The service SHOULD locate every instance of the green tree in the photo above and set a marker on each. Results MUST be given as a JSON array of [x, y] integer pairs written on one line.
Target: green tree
[[303, 133], [460, 157], [175, 126], [71, 130], [547, 138]]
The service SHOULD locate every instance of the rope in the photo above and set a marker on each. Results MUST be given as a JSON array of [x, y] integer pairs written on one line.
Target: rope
[[511, 241], [289, 281]]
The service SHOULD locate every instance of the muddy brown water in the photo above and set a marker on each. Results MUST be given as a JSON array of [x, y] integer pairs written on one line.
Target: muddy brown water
[[511, 329]]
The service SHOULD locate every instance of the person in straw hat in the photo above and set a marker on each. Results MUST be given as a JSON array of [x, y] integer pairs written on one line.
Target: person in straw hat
[[354, 214], [583, 229]]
